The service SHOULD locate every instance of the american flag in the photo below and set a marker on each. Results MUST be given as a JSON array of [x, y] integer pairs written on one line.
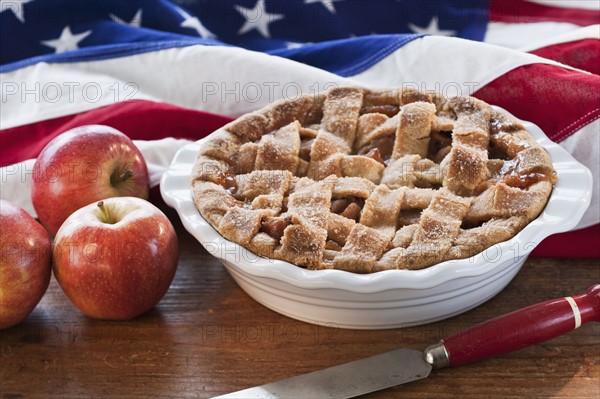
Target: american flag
[[166, 72]]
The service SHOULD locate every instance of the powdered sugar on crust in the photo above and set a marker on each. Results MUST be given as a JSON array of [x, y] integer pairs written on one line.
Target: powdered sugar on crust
[[368, 180]]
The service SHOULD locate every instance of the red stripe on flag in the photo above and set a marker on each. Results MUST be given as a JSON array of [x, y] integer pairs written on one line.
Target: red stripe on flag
[[522, 11], [560, 101], [141, 120], [583, 54], [584, 243]]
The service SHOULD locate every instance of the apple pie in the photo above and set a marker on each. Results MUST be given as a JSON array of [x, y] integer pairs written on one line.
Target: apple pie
[[369, 180]]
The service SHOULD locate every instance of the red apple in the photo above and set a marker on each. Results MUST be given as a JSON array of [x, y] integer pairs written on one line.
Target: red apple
[[115, 259], [83, 165], [24, 264]]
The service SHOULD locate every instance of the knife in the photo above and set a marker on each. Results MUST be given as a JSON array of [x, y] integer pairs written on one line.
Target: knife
[[524, 327]]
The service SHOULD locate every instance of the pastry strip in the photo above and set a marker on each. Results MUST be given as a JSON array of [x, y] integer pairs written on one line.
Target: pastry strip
[[466, 165], [363, 248], [381, 210], [279, 151], [337, 132], [412, 136], [438, 227]]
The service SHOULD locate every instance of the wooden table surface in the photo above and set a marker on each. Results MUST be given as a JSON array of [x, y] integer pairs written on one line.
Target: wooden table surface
[[207, 337]]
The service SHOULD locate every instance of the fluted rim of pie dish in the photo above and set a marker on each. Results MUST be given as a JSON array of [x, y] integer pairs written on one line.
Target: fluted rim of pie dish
[[573, 190]]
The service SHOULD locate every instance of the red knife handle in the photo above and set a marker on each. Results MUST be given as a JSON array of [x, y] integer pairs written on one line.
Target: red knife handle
[[521, 328]]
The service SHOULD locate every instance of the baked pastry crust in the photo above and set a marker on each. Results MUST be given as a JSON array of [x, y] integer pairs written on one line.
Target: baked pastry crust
[[368, 180]]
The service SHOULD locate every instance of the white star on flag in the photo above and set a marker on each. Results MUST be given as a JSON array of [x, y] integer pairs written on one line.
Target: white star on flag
[[293, 45], [328, 4], [135, 21], [16, 6], [431, 29], [257, 18], [194, 23], [67, 40]]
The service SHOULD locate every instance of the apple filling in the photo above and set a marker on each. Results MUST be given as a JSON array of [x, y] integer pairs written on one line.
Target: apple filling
[[380, 149], [495, 152], [409, 216], [230, 185], [348, 207], [467, 225], [305, 148], [440, 144], [516, 172], [275, 227], [514, 176], [385, 109]]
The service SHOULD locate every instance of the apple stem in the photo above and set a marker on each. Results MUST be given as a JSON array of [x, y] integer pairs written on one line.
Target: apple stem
[[104, 211], [128, 173]]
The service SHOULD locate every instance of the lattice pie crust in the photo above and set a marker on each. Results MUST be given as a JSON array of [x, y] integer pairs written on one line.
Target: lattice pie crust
[[369, 180]]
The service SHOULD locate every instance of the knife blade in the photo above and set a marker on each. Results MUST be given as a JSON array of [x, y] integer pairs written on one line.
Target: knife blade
[[346, 380], [524, 327]]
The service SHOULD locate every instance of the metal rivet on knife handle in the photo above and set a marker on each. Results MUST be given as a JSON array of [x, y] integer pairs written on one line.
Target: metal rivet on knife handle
[[437, 355]]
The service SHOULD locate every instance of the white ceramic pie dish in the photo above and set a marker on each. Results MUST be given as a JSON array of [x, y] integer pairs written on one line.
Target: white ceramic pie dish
[[392, 298]]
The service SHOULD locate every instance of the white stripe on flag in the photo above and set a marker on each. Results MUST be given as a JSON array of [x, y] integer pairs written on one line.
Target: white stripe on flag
[[467, 65], [224, 80], [523, 35], [589, 32], [583, 4]]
